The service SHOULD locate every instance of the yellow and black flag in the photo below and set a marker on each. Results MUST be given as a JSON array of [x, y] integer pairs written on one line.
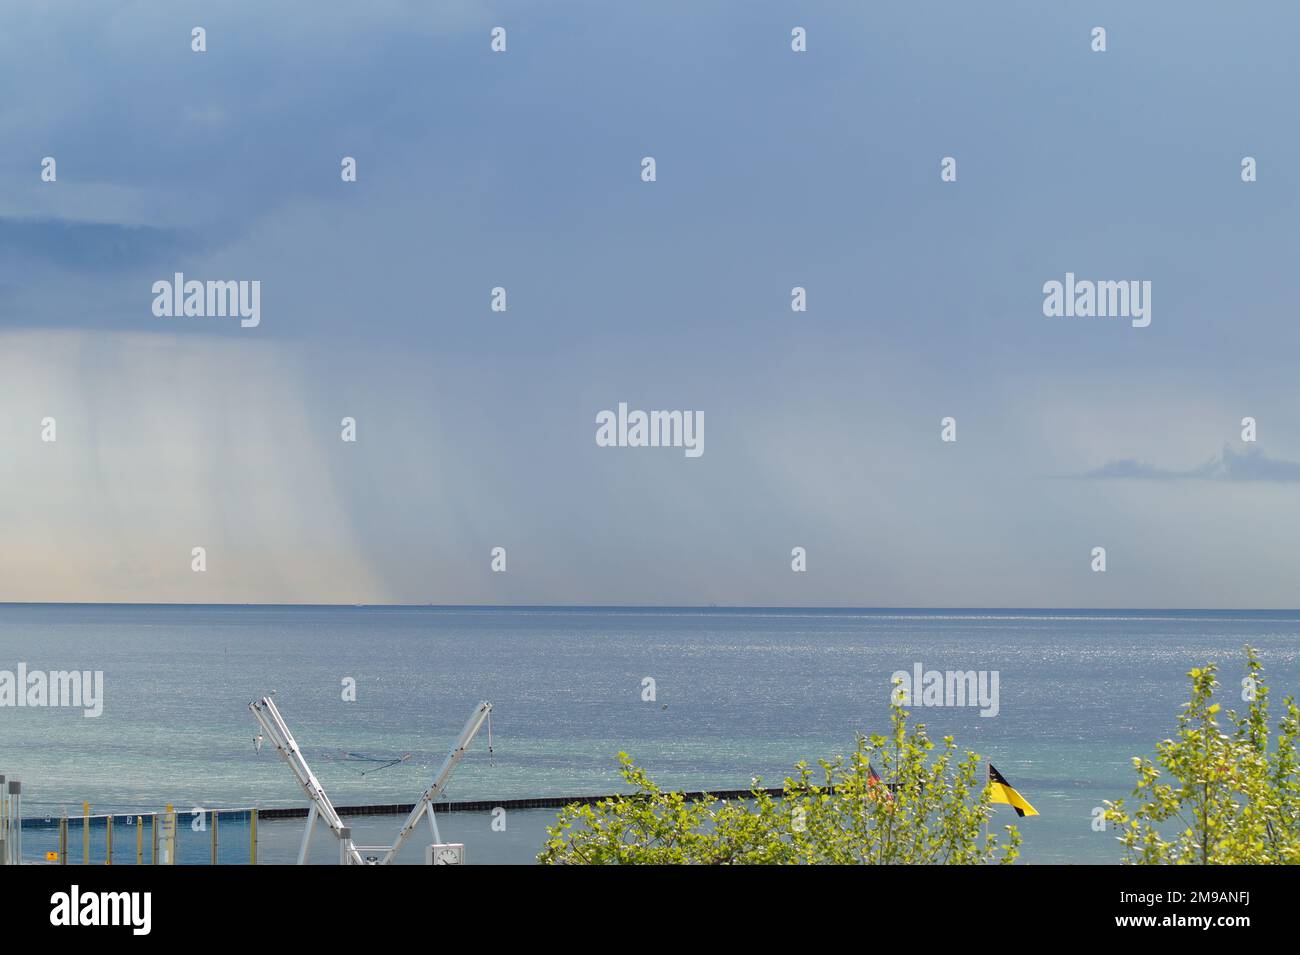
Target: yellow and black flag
[[1002, 792]]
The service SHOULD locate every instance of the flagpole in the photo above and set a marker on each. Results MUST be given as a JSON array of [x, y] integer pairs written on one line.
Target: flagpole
[[988, 810]]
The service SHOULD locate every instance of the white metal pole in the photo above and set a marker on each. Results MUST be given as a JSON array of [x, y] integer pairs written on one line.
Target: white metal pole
[[425, 803], [268, 715], [307, 834]]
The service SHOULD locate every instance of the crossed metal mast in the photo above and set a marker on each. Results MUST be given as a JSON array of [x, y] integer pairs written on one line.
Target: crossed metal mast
[[275, 728]]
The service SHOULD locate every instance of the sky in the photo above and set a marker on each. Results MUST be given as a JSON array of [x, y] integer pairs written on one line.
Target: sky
[[774, 169]]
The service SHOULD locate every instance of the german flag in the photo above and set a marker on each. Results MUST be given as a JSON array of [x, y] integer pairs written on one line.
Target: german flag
[[1003, 792], [876, 787]]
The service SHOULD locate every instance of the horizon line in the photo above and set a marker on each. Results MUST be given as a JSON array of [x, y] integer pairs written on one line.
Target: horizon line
[[644, 607]]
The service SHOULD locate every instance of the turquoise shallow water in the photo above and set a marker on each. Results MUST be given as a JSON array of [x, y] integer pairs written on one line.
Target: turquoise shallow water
[[739, 694]]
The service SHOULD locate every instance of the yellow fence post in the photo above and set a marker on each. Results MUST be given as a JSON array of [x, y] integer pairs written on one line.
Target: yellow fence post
[[139, 840], [169, 836], [108, 823], [153, 823], [63, 839]]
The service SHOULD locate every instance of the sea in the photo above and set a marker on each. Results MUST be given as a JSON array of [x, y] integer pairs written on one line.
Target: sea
[[703, 698]]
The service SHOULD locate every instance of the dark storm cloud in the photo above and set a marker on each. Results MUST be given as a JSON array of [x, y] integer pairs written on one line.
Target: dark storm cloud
[[89, 246], [1230, 465]]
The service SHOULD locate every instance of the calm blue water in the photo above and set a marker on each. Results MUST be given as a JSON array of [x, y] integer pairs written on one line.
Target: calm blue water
[[740, 694]]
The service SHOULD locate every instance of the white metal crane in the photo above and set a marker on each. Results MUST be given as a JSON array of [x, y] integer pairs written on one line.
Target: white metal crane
[[351, 854], [274, 726], [482, 713]]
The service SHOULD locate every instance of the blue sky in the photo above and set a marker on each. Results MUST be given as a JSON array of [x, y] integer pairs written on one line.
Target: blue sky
[[775, 169]]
